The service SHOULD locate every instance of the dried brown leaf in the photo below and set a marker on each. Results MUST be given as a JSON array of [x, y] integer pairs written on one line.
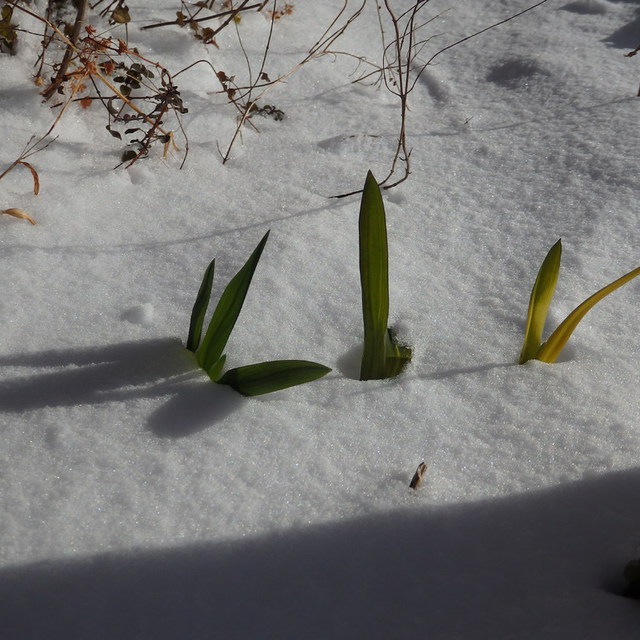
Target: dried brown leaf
[[36, 179], [19, 213], [418, 476]]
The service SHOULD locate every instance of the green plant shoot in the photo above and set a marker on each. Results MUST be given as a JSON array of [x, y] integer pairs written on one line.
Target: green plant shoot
[[250, 380], [539, 302], [541, 296], [200, 308], [226, 313], [381, 357]]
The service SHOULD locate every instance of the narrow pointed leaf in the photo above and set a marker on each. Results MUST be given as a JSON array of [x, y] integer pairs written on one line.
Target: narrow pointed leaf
[[265, 377], [374, 280], [200, 308], [539, 302], [551, 349], [215, 370], [227, 311]]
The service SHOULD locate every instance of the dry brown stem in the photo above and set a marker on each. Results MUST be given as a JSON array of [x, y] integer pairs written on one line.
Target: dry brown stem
[[248, 98], [398, 74], [31, 148], [72, 41], [232, 13]]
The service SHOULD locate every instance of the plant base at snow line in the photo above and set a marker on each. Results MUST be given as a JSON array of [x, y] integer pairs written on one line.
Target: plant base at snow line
[[254, 379], [382, 357], [539, 302]]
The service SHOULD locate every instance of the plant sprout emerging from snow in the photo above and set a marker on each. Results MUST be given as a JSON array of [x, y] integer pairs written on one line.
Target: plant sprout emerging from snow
[[251, 380], [539, 302], [382, 357]]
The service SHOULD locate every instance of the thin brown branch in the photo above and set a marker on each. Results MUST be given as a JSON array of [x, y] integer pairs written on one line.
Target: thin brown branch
[[247, 97], [31, 148], [399, 56], [232, 13], [68, 54], [474, 35]]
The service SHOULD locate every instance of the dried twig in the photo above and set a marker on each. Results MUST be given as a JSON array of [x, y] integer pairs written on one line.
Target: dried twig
[[231, 13], [246, 100], [30, 149], [72, 41], [398, 74]]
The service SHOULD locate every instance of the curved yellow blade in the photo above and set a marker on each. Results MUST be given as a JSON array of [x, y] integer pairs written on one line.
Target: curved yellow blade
[[551, 349], [539, 302]]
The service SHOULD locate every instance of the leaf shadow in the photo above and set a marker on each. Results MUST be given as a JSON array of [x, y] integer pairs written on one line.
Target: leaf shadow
[[193, 408], [153, 368]]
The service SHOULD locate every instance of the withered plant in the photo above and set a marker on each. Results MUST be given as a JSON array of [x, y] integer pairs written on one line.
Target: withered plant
[[138, 94], [246, 97], [31, 148], [189, 16], [246, 93]]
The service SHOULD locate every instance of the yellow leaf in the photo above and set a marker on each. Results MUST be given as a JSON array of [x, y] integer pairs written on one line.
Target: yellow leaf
[[551, 349], [539, 302]]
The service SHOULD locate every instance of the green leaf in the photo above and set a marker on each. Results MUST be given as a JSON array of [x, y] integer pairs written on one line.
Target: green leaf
[[200, 308], [374, 280], [265, 377], [227, 311], [551, 349], [539, 302], [215, 370]]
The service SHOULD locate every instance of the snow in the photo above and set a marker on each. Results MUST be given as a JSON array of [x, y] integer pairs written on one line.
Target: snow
[[139, 500]]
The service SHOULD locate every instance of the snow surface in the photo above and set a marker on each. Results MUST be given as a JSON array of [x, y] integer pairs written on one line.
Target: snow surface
[[139, 500]]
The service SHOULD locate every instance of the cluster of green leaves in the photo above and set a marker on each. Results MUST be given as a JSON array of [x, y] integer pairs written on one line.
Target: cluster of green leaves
[[251, 380], [382, 357], [539, 302]]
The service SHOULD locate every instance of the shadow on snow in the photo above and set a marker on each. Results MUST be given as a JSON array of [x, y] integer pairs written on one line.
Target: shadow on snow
[[119, 372], [546, 564]]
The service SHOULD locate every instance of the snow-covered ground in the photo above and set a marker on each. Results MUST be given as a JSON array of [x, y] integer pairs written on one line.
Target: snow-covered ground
[[140, 500]]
